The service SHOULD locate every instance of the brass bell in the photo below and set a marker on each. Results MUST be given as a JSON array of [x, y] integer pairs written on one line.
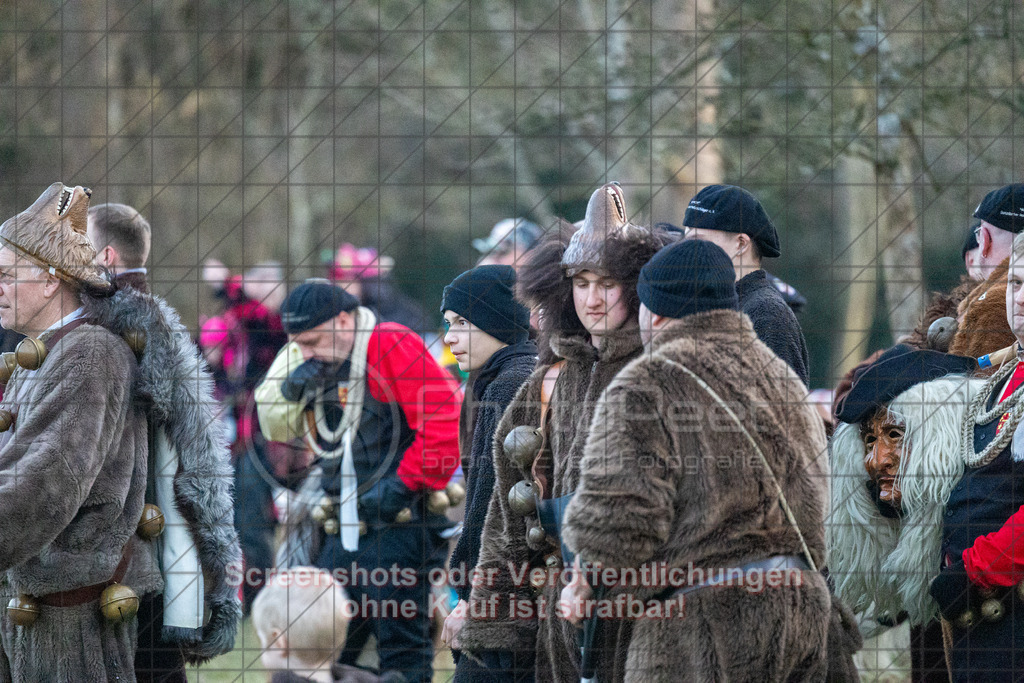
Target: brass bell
[[23, 610], [7, 364], [119, 603], [967, 620], [319, 514], [30, 353], [437, 502], [553, 561], [136, 338], [992, 610], [6, 420], [521, 500], [456, 493], [151, 523], [535, 535], [521, 445], [404, 516], [331, 526], [538, 580], [363, 529]]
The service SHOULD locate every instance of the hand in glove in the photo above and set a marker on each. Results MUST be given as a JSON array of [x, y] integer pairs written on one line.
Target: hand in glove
[[952, 590], [385, 499], [306, 377]]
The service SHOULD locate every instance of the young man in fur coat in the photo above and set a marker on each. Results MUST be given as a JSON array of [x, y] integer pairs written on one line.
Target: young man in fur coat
[[586, 295], [189, 459], [674, 490], [73, 456], [488, 332]]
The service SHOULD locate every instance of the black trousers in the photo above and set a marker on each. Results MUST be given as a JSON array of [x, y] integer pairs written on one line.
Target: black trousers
[[393, 602], [155, 660], [254, 518]]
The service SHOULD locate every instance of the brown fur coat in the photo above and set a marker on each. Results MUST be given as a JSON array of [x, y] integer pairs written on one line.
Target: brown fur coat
[[667, 478], [504, 548], [982, 316], [72, 483]]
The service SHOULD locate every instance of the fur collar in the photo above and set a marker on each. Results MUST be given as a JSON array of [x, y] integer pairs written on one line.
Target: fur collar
[[179, 387], [615, 346], [720, 326]]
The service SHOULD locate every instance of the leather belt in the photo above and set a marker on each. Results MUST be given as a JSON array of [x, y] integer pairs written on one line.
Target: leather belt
[[726, 578], [87, 594]]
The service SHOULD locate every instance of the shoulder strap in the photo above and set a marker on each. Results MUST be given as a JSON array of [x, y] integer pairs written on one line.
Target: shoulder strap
[[547, 387], [764, 460], [542, 464]]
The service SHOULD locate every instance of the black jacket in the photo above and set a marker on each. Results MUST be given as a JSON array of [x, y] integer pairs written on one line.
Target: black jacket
[[495, 386], [774, 321]]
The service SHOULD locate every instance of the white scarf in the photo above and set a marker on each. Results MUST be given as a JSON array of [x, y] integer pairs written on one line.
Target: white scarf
[[348, 506]]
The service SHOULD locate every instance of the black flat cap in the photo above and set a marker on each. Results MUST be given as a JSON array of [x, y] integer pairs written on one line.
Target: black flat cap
[[732, 209], [895, 371], [313, 303], [1003, 208]]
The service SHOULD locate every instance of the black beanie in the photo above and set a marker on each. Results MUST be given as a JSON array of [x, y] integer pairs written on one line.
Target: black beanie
[[313, 303], [732, 209], [688, 277], [484, 297], [1003, 208]]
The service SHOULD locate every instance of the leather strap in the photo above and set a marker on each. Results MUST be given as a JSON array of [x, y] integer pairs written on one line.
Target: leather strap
[[59, 333], [87, 594], [542, 468], [725, 578]]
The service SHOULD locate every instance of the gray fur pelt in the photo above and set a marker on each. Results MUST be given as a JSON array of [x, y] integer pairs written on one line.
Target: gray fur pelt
[[883, 566], [179, 386]]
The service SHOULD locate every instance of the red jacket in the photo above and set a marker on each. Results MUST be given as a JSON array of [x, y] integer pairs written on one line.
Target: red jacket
[[402, 370], [997, 559]]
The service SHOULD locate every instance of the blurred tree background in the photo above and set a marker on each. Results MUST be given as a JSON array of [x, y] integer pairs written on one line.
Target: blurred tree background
[[263, 130]]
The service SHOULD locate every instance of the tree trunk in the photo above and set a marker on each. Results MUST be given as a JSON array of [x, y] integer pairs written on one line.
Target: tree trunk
[[857, 276], [900, 243]]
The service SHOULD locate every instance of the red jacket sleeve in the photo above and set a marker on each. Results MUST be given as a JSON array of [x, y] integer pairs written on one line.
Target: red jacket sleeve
[[400, 368], [997, 559]]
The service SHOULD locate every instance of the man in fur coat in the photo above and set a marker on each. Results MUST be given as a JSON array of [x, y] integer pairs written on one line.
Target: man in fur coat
[[586, 295], [676, 484], [895, 459], [73, 456], [189, 459], [734, 219], [488, 333]]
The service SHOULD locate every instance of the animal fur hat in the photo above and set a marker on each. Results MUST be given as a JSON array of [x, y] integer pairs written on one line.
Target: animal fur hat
[[52, 234], [542, 281], [591, 247]]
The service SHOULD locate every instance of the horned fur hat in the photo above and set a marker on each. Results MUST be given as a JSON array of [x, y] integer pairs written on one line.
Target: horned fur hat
[[606, 220], [52, 234]]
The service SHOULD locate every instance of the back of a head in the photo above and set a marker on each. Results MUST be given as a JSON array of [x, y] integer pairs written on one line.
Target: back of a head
[[308, 607], [123, 228]]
